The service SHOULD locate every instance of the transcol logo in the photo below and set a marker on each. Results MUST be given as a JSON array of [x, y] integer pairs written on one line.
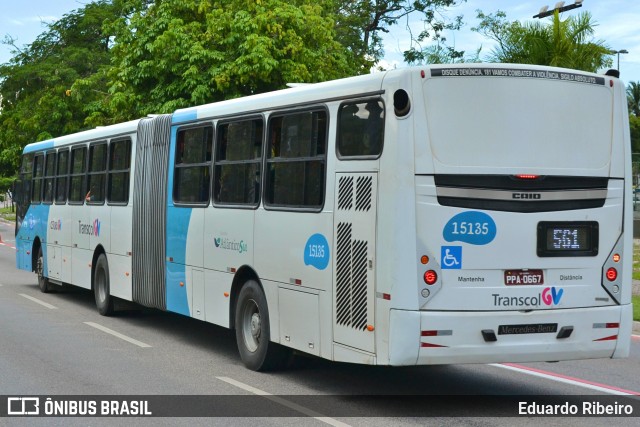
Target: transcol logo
[[90, 229], [55, 225], [230, 245], [549, 296]]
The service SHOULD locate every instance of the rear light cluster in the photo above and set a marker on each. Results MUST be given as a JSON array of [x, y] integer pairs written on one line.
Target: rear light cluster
[[430, 276], [612, 273]]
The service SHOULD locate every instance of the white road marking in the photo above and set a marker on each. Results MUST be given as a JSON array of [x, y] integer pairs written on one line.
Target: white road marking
[[46, 304], [565, 379], [308, 412], [117, 334], [8, 245]]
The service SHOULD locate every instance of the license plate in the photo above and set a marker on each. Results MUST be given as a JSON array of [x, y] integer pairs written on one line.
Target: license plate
[[523, 277]]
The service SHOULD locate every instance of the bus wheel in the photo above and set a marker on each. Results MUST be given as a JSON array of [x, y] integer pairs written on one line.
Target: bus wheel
[[104, 301], [252, 331], [43, 282]]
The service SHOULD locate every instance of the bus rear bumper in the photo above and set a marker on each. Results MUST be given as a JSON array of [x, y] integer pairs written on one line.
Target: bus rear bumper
[[425, 338]]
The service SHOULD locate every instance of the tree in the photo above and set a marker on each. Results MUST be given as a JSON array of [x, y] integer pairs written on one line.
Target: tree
[[176, 53], [360, 24], [567, 43], [34, 85], [633, 98]]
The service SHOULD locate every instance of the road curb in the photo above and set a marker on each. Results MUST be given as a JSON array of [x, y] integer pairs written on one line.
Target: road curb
[[636, 327]]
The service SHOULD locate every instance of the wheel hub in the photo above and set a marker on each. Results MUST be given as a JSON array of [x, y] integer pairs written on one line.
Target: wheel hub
[[255, 325]]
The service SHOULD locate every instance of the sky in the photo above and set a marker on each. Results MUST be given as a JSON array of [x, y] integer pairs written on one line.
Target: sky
[[618, 24]]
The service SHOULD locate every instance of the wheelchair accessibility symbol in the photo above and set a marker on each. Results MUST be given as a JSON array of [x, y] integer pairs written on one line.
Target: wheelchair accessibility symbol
[[451, 257]]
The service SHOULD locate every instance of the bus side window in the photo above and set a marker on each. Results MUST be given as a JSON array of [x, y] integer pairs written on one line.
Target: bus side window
[[26, 176], [49, 177], [61, 179], [119, 171], [361, 129], [193, 161], [97, 171], [296, 162], [237, 174], [77, 177], [38, 170]]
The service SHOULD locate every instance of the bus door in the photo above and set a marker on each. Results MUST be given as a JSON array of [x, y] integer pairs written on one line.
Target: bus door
[[354, 268]]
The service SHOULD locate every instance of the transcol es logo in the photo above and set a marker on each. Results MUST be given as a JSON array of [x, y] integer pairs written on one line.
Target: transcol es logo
[[90, 229], [549, 296], [230, 245], [55, 225]]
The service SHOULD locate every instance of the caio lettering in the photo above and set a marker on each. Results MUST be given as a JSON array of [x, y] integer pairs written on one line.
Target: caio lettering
[[526, 196]]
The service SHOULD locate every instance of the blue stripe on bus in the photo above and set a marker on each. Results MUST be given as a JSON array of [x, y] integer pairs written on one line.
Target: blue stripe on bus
[[38, 146], [177, 228], [184, 116], [176, 245], [35, 224]]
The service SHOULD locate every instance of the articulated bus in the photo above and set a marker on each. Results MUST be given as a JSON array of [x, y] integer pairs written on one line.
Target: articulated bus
[[433, 215]]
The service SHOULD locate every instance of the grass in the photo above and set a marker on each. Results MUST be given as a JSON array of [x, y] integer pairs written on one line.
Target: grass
[[6, 213], [635, 299], [636, 262]]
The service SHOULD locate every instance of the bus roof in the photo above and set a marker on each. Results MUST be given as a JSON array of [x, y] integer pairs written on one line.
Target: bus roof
[[88, 135], [297, 95]]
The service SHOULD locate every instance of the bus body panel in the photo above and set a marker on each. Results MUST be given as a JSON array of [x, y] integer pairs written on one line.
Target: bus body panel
[[444, 333], [509, 125], [479, 283]]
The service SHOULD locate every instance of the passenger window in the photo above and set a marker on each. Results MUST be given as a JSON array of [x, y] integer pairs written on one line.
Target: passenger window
[[77, 177], [38, 170], [237, 163], [361, 129], [61, 180], [49, 177], [119, 171], [26, 177], [296, 160], [96, 176], [193, 162]]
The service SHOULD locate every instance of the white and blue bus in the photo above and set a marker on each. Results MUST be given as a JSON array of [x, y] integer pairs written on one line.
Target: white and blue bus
[[434, 215]]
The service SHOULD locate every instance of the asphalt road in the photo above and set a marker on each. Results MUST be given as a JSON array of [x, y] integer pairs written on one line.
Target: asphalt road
[[57, 344]]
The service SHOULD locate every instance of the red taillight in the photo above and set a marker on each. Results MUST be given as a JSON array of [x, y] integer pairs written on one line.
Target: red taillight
[[612, 274], [430, 277], [527, 176]]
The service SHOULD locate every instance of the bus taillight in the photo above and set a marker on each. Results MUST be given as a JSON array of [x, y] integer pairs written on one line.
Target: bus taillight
[[430, 277], [612, 274]]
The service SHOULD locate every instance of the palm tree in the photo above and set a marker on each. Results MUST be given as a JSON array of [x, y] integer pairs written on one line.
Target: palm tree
[[633, 98], [567, 43]]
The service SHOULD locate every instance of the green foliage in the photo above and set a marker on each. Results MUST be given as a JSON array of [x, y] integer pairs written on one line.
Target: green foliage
[[360, 24], [34, 84], [634, 125], [567, 43], [633, 98], [6, 184], [176, 53]]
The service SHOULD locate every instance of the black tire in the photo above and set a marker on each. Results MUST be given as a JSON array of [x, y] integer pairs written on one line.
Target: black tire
[[101, 290], [253, 336], [43, 282]]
